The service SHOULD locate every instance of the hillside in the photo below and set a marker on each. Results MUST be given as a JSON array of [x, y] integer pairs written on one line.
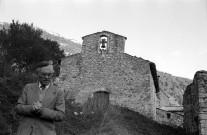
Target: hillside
[[173, 86], [116, 121], [70, 47], [67, 45]]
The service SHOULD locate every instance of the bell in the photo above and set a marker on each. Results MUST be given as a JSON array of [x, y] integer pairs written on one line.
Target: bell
[[103, 46]]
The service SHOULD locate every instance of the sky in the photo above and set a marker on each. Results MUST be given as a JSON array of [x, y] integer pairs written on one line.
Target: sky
[[170, 33]]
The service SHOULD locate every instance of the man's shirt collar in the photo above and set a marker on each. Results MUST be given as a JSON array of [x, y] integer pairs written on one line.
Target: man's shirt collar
[[46, 87]]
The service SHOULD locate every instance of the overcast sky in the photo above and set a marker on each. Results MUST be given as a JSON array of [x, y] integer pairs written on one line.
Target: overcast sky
[[170, 33]]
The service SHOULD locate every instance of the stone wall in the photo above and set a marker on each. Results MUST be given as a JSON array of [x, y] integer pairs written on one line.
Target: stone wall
[[69, 78], [162, 100], [174, 119], [195, 105], [202, 89], [128, 79], [191, 108]]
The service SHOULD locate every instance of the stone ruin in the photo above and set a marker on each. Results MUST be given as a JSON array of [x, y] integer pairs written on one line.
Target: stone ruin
[[195, 105]]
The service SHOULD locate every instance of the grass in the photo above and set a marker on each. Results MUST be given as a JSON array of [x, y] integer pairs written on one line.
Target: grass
[[115, 121]]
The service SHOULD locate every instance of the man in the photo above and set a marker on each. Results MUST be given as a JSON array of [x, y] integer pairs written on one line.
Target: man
[[40, 104]]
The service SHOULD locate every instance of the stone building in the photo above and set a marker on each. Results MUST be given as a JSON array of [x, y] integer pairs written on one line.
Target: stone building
[[170, 115], [195, 105], [103, 67]]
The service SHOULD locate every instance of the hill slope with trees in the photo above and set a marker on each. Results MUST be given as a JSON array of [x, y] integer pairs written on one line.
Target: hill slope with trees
[[69, 46], [173, 86]]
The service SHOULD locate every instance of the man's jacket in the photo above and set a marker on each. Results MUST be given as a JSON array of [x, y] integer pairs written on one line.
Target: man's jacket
[[53, 110]]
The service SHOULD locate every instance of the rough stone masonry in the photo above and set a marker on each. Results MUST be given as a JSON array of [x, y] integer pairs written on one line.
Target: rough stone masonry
[[103, 65], [195, 105]]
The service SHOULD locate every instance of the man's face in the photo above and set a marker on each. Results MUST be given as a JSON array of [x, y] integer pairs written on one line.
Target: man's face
[[45, 74]]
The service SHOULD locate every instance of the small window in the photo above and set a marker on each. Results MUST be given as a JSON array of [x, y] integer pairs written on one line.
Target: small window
[[103, 43], [168, 115]]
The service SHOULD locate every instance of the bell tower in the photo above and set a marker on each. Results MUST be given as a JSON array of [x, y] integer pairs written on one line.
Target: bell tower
[[103, 43]]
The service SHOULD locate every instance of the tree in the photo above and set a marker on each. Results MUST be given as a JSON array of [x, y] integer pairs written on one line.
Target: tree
[[23, 47]]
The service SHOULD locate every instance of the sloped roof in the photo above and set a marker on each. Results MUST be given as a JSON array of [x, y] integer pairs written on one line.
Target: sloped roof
[[172, 108], [104, 32]]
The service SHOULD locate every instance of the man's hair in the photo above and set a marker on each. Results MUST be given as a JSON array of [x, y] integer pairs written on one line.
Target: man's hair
[[43, 64]]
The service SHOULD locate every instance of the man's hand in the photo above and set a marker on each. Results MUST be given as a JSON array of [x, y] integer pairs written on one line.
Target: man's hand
[[37, 108], [37, 105]]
